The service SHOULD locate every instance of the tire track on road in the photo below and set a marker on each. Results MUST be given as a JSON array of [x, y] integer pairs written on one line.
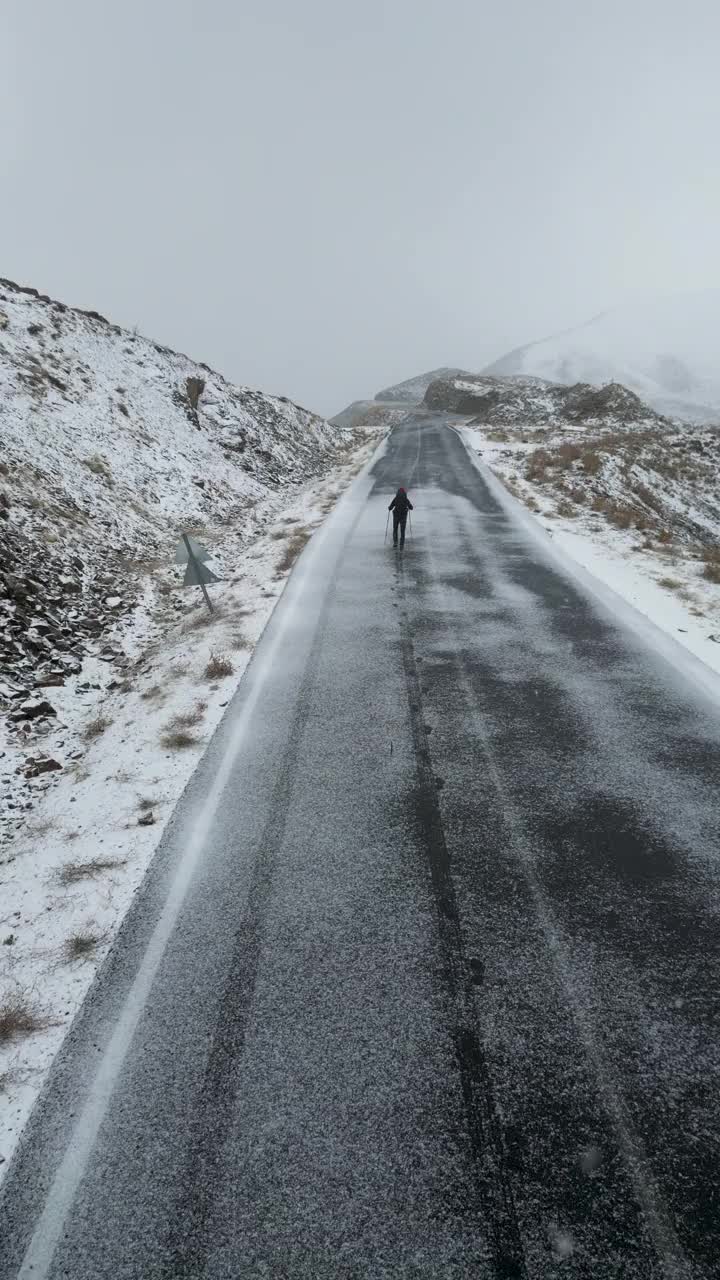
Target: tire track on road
[[187, 1257], [489, 1154], [673, 1260]]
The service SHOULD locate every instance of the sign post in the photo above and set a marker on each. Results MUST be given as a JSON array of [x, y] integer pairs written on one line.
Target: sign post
[[190, 552]]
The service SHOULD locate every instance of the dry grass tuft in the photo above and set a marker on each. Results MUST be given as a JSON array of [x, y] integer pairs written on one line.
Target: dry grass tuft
[[293, 549], [145, 804], [711, 559], [19, 1017], [620, 516], [591, 462], [96, 727], [178, 740], [149, 695], [203, 618], [177, 670], [218, 667], [240, 641], [537, 464], [188, 719], [81, 945], [670, 584], [568, 453], [75, 872]]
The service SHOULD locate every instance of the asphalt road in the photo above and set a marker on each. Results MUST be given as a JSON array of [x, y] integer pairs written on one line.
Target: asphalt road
[[425, 978]]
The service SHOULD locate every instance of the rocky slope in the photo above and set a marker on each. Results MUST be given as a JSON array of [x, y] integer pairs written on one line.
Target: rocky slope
[[111, 444], [518, 401], [666, 350], [413, 389], [369, 415], [608, 467]]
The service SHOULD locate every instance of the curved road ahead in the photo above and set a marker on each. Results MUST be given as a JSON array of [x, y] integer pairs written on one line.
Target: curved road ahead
[[425, 978]]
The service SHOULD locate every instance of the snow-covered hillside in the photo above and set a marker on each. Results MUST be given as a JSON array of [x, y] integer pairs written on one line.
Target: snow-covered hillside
[[110, 444], [625, 491], [667, 351], [637, 505], [524, 401], [369, 414]]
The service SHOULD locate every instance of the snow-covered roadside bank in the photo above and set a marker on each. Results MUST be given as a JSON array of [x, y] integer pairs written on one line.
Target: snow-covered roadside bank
[[129, 741], [663, 578]]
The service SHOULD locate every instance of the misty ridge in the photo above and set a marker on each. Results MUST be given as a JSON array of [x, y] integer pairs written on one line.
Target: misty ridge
[[664, 350]]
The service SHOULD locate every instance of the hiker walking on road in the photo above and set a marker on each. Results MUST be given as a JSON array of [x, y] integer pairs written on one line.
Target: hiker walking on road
[[400, 506]]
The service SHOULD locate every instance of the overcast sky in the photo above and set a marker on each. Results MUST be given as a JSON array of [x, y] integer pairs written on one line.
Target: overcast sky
[[319, 197]]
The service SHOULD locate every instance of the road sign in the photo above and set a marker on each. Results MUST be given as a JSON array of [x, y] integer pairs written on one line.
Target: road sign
[[187, 547], [190, 552], [197, 573]]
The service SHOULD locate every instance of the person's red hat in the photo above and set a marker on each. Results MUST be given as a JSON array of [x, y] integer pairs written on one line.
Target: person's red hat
[[401, 490]]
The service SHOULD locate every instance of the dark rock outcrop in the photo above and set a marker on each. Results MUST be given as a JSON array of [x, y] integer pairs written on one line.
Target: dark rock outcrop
[[496, 401]]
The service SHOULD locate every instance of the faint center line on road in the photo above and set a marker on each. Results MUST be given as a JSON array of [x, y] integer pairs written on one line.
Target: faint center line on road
[[416, 463], [486, 1140], [493, 1189]]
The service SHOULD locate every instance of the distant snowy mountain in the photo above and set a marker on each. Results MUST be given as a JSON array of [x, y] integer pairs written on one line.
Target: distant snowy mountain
[[413, 389], [667, 351]]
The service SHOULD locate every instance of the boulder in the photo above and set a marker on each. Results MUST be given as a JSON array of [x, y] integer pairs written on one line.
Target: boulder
[[32, 709], [45, 764]]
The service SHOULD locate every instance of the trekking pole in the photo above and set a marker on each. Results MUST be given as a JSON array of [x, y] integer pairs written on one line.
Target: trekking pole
[[387, 522]]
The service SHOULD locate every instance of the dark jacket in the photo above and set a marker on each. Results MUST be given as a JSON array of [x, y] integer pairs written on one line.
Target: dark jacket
[[401, 504]]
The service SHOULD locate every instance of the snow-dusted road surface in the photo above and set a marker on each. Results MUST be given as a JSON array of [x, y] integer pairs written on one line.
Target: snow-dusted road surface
[[425, 977]]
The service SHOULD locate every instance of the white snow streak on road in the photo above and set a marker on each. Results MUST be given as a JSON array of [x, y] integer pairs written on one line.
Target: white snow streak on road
[[39, 1256]]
